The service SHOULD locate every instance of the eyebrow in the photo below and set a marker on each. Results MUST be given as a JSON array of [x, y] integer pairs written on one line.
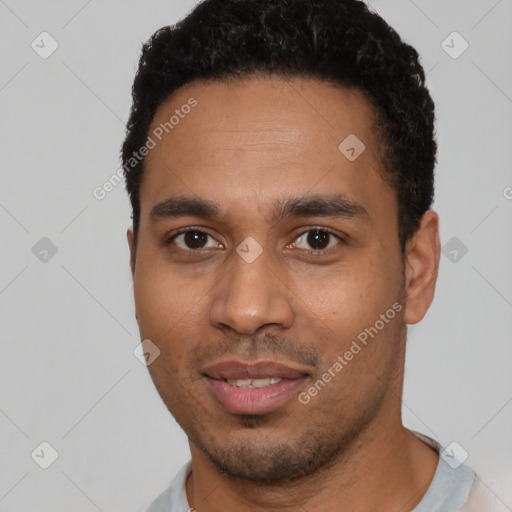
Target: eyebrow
[[332, 205]]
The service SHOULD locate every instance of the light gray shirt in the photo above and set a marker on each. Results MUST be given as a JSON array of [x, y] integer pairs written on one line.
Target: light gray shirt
[[448, 491]]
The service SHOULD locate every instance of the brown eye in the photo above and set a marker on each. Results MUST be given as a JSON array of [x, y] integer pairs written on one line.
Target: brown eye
[[192, 239], [195, 239], [317, 239]]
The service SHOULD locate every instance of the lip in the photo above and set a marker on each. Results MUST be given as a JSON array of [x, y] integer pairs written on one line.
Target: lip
[[253, 370], [256, 400]]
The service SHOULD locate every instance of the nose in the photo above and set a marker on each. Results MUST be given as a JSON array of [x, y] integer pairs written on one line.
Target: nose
[[251, 296]]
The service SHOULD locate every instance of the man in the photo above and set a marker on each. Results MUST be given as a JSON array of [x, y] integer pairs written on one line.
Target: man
[[279, 159]]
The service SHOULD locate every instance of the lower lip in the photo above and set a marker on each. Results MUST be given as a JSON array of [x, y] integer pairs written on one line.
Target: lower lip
[[254, 400]]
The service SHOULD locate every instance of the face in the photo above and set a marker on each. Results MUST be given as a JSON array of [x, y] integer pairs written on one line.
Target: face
[[261, 241]]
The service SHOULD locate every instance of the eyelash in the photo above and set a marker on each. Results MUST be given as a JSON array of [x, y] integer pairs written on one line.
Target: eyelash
[[169, 240]]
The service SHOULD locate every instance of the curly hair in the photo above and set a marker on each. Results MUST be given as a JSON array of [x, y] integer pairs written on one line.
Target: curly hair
[[335, 41]]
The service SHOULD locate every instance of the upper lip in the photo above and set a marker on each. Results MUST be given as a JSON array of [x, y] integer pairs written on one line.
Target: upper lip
[[234, 370]]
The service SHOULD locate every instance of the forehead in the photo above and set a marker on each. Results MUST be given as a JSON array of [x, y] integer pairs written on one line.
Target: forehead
[[231, 141]]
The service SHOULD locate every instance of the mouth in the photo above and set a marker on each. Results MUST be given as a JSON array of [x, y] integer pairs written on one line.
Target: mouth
[[254, 383], [253, 388]]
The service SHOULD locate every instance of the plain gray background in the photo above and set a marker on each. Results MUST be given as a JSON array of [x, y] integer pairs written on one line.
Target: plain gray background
[[68, 375]]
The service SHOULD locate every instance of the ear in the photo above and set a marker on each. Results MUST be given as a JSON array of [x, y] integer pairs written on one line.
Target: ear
[[421, 265], [133, 249]]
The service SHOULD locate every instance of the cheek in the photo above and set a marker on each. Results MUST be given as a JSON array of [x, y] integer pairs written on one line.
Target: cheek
[[349, 298], [175, 336], [170, 312], [163, 299]]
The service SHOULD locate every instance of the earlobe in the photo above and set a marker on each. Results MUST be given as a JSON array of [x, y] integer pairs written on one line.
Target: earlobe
[[421, 267]]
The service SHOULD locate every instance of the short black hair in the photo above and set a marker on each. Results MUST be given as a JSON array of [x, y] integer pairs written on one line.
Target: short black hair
[[335, 41]]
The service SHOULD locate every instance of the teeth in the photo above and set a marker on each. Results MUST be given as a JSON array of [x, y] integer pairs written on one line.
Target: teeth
[[260, 383], [241, 383], [254, 383]]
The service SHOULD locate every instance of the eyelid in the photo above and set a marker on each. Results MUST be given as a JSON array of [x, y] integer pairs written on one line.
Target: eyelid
[[321, 228]]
